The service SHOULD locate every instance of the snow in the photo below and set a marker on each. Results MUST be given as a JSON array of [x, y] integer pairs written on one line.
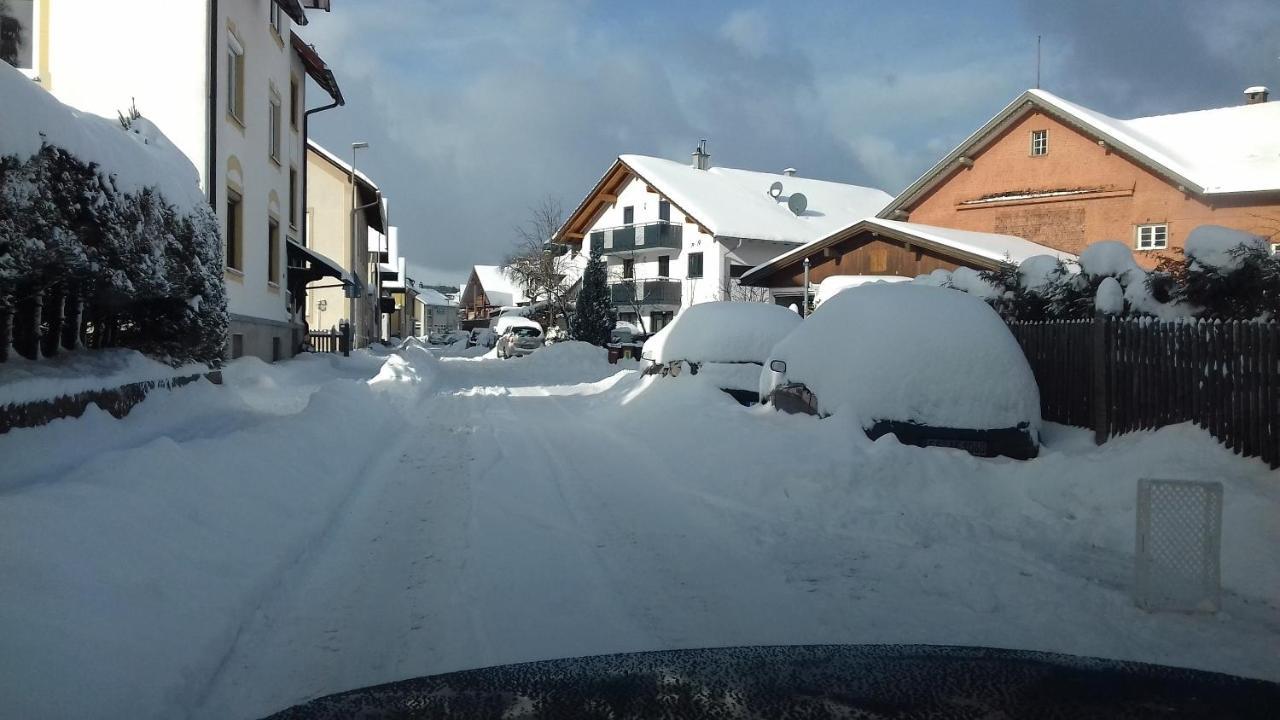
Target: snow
[[834, 284], [1110, 258], [1223, 150], [142, 157], [1212, 246], [912, 353], [1110, 297], [736, 203], [970, 281], [721, 332], [427, 296], [506, 322], [71, 373], [325, 523], [1039, 271]]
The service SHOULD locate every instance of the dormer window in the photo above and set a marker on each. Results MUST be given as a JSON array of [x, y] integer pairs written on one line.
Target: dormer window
[[1039, 143]]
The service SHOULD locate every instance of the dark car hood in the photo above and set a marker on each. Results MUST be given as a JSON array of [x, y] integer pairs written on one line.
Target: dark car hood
[[812, 681]]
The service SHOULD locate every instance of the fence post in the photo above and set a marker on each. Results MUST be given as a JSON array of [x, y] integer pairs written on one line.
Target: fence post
[[344, 327], [1098, 364]]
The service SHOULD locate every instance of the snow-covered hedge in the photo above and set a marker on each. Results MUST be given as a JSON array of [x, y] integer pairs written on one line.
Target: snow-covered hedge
[[1223, 273], [105, 237]]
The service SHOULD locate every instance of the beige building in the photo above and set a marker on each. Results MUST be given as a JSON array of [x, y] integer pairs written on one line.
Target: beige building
[[335, 209]]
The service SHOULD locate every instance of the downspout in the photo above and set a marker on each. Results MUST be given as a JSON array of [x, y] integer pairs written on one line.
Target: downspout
[[306, 136], [211, 163]]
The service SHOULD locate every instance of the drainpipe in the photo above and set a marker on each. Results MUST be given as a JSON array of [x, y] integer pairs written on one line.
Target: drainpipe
[[804, 309], [211, 162]]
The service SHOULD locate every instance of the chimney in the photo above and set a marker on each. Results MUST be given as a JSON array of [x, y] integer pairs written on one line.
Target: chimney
[[789, 172], [701, 159], [1256, 94]]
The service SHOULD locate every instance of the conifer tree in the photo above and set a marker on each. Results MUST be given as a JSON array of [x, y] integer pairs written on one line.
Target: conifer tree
[[594, 316]]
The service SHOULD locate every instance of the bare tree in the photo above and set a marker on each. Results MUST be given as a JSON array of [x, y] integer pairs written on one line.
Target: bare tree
[[732, 289], [633, 301], [544, 270]]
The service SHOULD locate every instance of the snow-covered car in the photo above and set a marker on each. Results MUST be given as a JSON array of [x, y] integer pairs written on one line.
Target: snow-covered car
[[626, 332], [482, 336], [931, 365], [517, 336], [726, 341]]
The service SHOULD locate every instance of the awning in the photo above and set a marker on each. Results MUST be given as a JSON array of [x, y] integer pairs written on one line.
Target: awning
[[317, 69], [308, 265], [293, 8]]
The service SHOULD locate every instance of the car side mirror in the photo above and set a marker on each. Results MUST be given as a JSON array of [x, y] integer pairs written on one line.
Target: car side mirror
[[778, 366]]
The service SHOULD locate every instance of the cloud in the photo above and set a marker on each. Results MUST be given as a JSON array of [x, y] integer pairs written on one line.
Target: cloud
[[746, 30]]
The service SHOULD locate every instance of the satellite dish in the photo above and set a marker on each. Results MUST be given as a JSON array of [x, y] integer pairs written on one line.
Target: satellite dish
[[775, 190], [797, 202]]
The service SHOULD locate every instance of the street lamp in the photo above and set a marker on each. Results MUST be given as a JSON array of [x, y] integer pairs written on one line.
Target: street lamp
[[355, 194], [804, 309]]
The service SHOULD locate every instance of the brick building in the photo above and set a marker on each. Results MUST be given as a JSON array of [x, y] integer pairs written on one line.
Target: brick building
[[1061, 175]]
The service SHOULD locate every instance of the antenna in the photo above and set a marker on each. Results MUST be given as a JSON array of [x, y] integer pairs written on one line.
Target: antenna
[[1037, 62], [775, 190], [798, 203]]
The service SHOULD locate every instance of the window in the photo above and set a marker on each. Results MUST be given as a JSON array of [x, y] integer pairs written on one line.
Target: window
[[1039, 143], [664, 210], [628, 215], [234, 231], [628, 268], [273, 127], [660, 319], [295, 102], [1275, 248], [273, 251], [597, 241], [1152, 237], [275, 349], [277, 18], [17, 33], [695, 265], [235, 78], [664, 266], [737, 271], [293, 197]]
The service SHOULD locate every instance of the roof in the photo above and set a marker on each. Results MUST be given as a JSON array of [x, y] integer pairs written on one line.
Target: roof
[[320, 265], [427, 296], [498, 287], [734, 203], [987, 248], [1221, 151], [316, 68], [293, 9], [369, 187]]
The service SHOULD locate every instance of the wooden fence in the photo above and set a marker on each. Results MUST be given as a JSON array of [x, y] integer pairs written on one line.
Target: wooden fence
[[328, 342], [1117, 376]]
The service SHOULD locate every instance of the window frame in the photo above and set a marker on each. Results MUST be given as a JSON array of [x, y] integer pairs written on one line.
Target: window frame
[[275, 18], [293, 197], [664, 210], [689, 261], [37, 48], [235, 78], [628, 269], [1138, 231], [275, 118], [664, 272], [629, 215], [233, 243], [1039, 143], [295, 101], [273, 251]]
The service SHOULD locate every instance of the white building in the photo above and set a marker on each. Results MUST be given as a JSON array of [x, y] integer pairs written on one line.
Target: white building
[[439, 314], [675, 235], [225, 81]]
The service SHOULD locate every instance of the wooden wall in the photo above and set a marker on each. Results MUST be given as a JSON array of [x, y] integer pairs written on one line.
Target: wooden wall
[[866, 254]]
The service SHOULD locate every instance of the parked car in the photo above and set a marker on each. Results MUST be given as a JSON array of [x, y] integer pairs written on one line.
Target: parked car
[[725, 341], [933, 366], [517, 336], [482, 336]]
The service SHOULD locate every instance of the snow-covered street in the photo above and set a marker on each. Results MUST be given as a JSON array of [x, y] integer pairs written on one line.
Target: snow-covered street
[[196, 560]]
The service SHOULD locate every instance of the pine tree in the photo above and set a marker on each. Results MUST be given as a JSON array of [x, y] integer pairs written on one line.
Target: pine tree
[[594, 316]]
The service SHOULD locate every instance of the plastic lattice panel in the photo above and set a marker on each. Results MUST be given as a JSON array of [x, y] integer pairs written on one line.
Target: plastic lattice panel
[[1178, 559]]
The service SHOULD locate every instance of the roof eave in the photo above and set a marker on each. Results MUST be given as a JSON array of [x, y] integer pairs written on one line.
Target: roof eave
[[293, 8], [317, 69]]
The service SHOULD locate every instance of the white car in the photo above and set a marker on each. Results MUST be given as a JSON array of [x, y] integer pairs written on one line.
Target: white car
[[934, 366], [517, 336]]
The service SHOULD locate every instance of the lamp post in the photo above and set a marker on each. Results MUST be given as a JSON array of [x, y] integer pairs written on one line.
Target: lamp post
[[804, 309], [355, 194]]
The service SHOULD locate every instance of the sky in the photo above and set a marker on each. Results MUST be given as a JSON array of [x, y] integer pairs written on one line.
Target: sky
[[476, 110]]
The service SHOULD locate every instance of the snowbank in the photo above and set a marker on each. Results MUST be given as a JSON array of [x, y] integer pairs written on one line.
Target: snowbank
[[142, 157], [721, 332], [1038, 271], [23, 380], [912, 353], [1214, 246], [1110, 297], [1110, 258], [834, 284]]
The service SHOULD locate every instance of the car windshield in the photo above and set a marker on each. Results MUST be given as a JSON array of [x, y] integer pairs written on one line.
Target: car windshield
[[350, 342]]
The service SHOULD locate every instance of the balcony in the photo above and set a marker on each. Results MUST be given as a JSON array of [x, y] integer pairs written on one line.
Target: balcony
[[645, 292], [638, 238]]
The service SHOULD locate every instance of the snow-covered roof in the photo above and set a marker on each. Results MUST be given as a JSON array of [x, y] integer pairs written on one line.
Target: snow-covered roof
[[499, 288], [137, 158], [993, 247], [427, 296], [1225, 150], [736, 203], [835, 283]]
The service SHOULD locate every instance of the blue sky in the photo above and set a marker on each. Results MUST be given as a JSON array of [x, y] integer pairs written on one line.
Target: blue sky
[[476, 110]]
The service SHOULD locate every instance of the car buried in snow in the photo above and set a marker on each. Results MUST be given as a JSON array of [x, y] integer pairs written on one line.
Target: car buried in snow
[[517, 336], [929, 365], [725, 342]]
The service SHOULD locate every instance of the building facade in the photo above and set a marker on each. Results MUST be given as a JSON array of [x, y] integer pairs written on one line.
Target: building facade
[[226, 83], [1061, 175]]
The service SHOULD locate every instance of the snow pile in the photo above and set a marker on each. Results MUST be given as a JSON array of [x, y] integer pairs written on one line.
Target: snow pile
[[23, 380], [140, 158], [1039, 271], [721, 332], [1221, 248], [834, 284], [507, 322], [970, 281], [1110, 258], [921, 354], [1109, 298]]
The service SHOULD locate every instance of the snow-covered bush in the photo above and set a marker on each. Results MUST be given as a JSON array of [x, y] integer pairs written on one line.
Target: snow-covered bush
[[96, 251], [1223, 273]]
